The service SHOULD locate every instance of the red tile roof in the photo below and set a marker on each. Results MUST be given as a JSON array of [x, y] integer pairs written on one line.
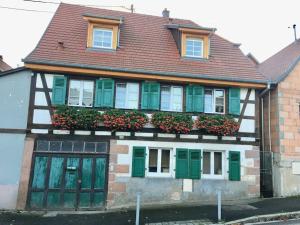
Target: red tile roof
[[146, 46], [3, 65], [278, 66]]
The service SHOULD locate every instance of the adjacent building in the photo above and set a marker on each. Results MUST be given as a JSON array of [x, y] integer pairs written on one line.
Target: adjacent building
[[281, 111], [3, 65], [90, 58]]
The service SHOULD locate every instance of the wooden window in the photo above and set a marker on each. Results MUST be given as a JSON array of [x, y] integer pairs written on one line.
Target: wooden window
[[234, 166], [188, 164], [214, 101], [194, 47], [150, 95], [171, 98], [213, 164], [234, 101], [159, 162], [59, 90], [138, 161], [81, 93], [127, 95], [104, 96], [102, 38], [194, 98]]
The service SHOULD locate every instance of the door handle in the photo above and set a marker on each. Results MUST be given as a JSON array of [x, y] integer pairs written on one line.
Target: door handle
[[71, 168]]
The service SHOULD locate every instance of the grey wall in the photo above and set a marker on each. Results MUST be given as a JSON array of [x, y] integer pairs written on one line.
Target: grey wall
[[14, 99]]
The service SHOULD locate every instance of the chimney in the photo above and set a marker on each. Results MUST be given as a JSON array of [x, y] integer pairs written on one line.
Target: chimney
[[166, 13]]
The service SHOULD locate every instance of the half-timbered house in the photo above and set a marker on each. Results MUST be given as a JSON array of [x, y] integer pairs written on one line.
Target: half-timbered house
[[96, 59]]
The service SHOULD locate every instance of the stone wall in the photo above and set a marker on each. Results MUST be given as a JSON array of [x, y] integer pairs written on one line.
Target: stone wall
[[122, 188]]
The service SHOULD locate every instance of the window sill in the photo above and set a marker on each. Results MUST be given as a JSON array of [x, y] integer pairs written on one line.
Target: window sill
[[80, 106], [194, 58], [213, 177], [94, 49], [152, 175]]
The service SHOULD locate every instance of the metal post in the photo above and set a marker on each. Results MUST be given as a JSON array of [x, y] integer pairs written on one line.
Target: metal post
[[219, 206], [137, 215]]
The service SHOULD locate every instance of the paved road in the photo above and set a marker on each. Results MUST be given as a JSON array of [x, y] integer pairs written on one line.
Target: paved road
[[289, 222], [164, 214]]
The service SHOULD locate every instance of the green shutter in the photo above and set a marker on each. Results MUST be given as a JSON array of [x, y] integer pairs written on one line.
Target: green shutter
[[189, 98], [234, 101], [104, 96], [154, 96], [138, 161], [59, 90], [194, 98], [98, 93], [234, 166], [198, 99], [182, 163], [150, 95], [145, 95], [195, 164]]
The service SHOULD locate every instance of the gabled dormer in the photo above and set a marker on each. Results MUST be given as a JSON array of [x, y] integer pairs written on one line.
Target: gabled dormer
[[103, 31], [192, 41]]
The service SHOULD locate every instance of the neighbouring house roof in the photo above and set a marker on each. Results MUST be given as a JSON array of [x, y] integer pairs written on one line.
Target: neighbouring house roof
[[278, 66], [3, 65], [12, 71], [146, 46]]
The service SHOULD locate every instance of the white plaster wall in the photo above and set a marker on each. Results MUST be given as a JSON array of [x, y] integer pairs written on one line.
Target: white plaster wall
[[247, 125], [41, 116], [243, 94], [40, 99]]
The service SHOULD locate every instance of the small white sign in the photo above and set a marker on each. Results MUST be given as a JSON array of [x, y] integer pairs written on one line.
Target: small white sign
[[187, 185], [296, 168]]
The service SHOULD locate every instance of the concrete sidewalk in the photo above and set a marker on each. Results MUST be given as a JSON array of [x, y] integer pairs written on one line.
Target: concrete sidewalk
[[161, 215]]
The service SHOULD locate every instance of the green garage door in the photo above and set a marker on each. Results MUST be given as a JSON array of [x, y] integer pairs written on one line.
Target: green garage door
[[68, 181]]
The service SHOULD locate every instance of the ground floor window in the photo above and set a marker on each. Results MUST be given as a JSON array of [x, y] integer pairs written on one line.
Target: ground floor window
[[159, 162], [213, 162]]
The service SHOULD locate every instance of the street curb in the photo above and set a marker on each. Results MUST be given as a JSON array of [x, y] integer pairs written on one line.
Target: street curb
[[260, 217]]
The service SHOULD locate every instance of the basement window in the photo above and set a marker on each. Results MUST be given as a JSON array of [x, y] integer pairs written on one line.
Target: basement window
[[213, 164], [159, 162]]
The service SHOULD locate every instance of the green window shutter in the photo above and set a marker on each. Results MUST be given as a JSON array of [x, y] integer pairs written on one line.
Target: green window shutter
[[138, 161], [145, 95], [104, 96], [98, 93], [195, 164], [182, 163], [59, 90], [189, 98], [234, 166], [198, 99], [108, 92], [154, 96], [234, 101]]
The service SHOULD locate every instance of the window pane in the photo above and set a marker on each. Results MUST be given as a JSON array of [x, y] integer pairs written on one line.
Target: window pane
[[55, 146], [206, 162], [67, 146], [165, 161], [219, 93], [89, 147], [74, 93], [78, 146], [219, 109], [133, 95], [101, 147], [208, 99], [153, 160], [165, 98], [218, 163], [176, 99], [102, 38], [42, 145], [120, 95]]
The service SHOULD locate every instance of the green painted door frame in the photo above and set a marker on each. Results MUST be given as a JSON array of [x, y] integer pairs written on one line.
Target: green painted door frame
[[68, 181]]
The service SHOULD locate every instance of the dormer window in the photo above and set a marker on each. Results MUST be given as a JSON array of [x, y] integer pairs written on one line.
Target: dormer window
[[194, 47], [102, 38], [103, 31]]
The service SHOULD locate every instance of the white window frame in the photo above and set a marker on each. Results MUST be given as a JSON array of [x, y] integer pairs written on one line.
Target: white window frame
[[194, 40], [127, 95], [81, 93], [104, 30], [172, 87], [214, 90], [159, 153], [212, 165]]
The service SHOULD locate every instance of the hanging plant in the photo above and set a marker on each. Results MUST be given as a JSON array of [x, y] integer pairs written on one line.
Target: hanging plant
[[172, 122], [220, 125], [115, 119]]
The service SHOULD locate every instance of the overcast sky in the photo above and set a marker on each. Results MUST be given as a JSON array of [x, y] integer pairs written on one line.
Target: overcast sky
[[261, 26]]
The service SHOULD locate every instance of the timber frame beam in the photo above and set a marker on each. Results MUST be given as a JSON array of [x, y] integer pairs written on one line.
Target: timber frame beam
[[175, 79]]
